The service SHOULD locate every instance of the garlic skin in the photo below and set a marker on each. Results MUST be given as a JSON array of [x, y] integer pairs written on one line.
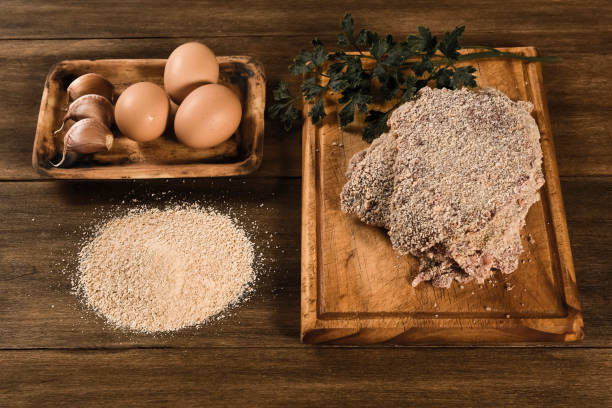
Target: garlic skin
[[91, 106], [90, 84], [84, 137]]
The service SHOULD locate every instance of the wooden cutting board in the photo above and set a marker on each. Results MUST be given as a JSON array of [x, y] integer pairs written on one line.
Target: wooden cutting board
[[357, 290]]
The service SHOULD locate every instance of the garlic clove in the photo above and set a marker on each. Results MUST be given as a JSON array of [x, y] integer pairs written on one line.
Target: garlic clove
[[88, 136], [91, 106], [90, 84], [84, 137]]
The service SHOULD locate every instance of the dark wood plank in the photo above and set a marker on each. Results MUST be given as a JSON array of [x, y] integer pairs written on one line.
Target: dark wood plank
[[38, 220], [39, 239], [579, 103], [589, 220], [140, 18], [313, 377]]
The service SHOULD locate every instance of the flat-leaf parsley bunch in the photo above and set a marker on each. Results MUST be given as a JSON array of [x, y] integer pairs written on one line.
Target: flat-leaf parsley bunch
[[397, 72]]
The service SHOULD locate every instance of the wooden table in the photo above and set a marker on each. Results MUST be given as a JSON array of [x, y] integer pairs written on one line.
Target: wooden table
[[53, 352]]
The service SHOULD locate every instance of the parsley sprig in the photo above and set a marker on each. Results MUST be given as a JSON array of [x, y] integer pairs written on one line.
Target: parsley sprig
[[396, 73]]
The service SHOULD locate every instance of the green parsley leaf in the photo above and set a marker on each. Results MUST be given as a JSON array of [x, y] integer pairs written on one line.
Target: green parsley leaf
[[463, 76], [379, 71], [359, 96], [317, 112], [284, 108], [337, 83], [399, 54], [337, 80], [410, 89], [300, 63], [348, 27], [424, 42], [347, 114], [399, 76], [281, 92], [288, 114], [380, 46], [376, 125], [450, 45], [423, 66], [319, 55], [311, 89], [363, 37], [390, 84], [444, 78]]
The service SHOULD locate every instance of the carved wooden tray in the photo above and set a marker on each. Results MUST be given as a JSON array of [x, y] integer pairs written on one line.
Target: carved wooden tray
[[164, 157]]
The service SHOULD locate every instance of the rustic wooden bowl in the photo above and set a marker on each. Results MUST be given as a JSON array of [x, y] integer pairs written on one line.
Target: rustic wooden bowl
[[164, 157]]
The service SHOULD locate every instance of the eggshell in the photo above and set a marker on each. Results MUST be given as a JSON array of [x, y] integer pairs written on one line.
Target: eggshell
[[208, 116], [173, 108], [172, 115], [189, 66], [141, 112]]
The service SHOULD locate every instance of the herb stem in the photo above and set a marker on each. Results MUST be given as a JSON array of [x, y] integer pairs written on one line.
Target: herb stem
[[359, 50], [479, 47], [489, 54], [366, 56], [500, 54]]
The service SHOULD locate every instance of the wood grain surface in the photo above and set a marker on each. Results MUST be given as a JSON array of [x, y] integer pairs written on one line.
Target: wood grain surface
[[55, 353], [329, 377]]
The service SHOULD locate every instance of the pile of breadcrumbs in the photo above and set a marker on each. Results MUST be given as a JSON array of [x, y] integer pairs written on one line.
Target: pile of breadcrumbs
[[160, 270]]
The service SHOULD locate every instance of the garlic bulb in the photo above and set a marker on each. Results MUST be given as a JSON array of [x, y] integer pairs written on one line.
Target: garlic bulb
[[90, 84], [90, 106], [84, 137]]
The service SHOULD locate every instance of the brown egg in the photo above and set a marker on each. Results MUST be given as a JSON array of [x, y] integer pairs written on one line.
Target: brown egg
[[189, 66], [141, 112], [208, 116]]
